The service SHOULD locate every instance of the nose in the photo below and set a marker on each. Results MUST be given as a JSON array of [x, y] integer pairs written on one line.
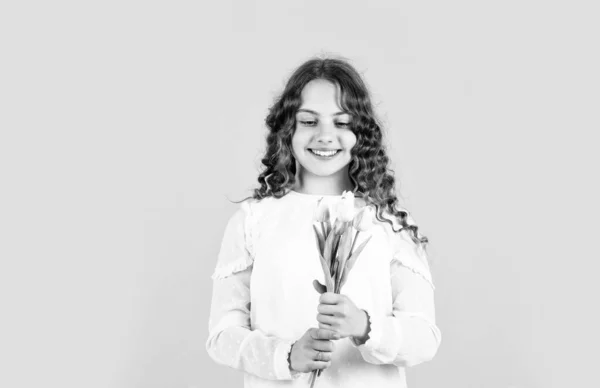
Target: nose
[[326, 132]]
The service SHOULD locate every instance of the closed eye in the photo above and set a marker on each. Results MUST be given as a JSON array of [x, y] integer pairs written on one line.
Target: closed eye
[[312, 123]]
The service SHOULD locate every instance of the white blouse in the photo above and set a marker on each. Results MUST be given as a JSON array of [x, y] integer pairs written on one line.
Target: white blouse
[[263, 299]]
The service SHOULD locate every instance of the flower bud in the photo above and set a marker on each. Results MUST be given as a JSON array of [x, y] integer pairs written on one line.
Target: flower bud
[[363, 220], [339, 227], [344, 208], [322, 212]]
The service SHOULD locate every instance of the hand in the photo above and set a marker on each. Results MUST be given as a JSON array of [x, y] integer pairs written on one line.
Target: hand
[[337, 312], [313, 350]]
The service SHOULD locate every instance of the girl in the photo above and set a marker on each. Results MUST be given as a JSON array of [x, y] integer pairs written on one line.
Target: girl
[[268, 318]]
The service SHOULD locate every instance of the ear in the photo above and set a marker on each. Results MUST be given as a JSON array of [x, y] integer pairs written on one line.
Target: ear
[[319, 287]]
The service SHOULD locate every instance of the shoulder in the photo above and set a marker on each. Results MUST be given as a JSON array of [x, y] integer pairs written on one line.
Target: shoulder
[[251, 211], [405, 251], [254, 207], [394, 220], [243, 216], [251, 205]]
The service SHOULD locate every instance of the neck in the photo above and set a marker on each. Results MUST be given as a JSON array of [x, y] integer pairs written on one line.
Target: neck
[[319, 185]]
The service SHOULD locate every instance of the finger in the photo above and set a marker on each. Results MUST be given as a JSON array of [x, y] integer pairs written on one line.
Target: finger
[[322, 356], [327, 319], [329, 298], [323, 347], [320, 364], [324, 334], [328, 309], [319, 287]]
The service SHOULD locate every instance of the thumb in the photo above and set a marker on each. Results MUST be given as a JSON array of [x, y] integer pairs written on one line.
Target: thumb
[[319, 287]]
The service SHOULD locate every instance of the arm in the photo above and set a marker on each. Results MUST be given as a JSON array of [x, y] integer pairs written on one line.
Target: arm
[[409, 336], [233, 343], [231, 340]]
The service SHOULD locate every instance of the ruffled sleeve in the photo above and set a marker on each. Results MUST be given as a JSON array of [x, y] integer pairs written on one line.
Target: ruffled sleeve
[[237, 245], [232, 341], [409, 335]]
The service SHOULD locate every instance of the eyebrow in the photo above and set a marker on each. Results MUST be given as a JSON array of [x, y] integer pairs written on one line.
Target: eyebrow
[[317, 114]]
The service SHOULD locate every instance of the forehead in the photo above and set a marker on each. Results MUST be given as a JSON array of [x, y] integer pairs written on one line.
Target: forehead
[[321, 96]]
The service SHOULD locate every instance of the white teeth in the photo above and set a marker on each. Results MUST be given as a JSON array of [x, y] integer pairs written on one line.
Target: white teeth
[[324, 153]]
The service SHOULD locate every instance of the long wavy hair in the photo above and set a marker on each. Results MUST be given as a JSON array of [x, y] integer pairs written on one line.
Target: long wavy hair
[[368, 170]]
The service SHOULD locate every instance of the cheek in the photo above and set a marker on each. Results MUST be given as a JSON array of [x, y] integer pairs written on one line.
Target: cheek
[[349, 141], [299, 140], [297, 145]]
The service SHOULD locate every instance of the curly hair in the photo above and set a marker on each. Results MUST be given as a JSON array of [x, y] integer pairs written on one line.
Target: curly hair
[[368, 170]]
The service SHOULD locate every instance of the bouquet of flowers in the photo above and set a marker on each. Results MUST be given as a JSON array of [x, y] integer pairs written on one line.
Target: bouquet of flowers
[[336, 229]]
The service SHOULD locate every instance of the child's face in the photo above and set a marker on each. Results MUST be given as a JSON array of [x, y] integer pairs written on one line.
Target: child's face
[[321, 125]]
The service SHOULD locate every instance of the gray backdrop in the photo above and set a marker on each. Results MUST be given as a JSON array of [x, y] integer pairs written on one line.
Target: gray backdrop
[[126, 125]]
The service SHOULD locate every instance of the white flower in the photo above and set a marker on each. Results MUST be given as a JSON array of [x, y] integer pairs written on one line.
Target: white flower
[[363, 220], [322, 212], [339, 227], [344, 208]]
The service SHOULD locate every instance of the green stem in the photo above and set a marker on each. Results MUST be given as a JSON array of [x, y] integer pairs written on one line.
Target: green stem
[[338, 283], [353, 242], [313, 377]]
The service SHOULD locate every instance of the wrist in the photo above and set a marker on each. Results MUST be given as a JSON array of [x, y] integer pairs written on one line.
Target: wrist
[[363, 333], [289, 357]]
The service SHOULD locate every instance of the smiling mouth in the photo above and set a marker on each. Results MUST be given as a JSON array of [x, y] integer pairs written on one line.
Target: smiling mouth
[[325, 154]]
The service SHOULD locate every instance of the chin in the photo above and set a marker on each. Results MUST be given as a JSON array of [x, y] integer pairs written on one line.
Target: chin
[[326, 172], [322, 170]]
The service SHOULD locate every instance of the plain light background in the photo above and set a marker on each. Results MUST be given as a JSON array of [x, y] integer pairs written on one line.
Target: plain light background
[[126, 126]]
